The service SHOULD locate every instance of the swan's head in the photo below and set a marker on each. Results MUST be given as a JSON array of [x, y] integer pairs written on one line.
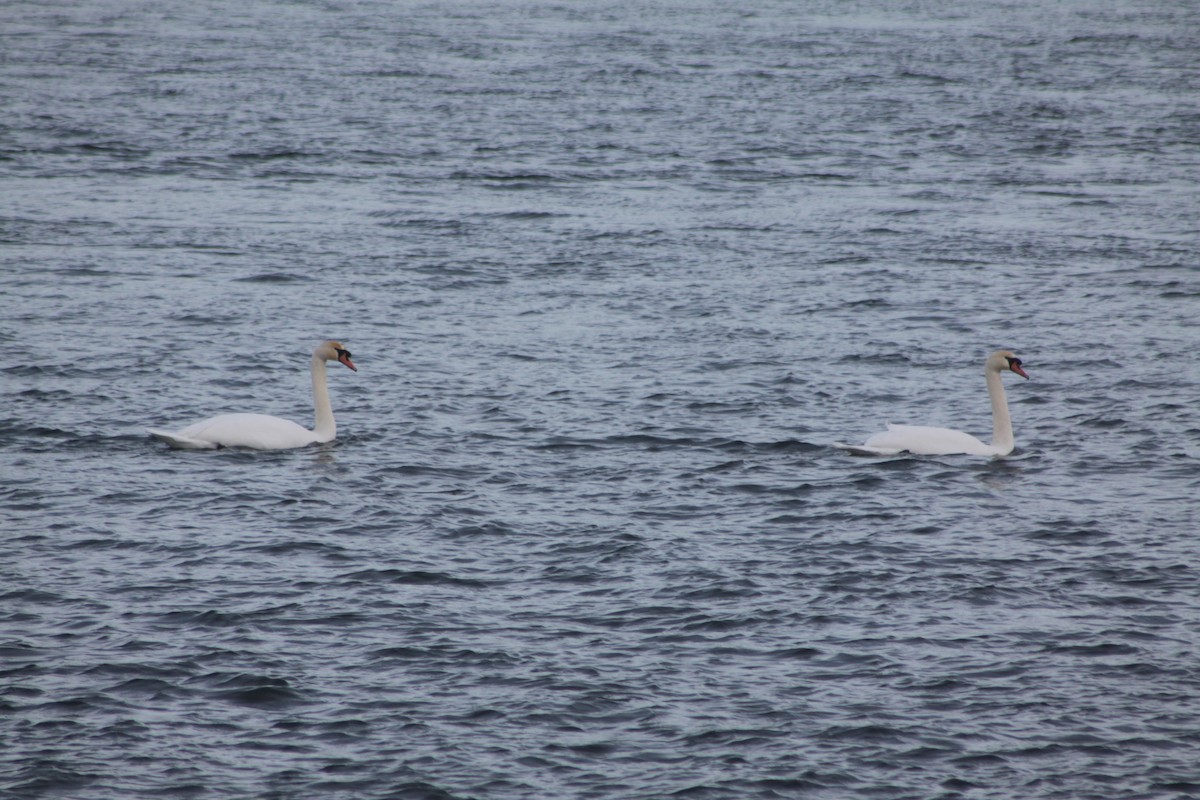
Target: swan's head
[[1002, 360], [333, 351]]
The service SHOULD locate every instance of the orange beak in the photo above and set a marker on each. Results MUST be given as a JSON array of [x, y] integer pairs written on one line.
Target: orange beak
[[345, 359], [1017, 369]]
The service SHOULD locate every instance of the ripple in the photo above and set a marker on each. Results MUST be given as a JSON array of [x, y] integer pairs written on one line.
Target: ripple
[[582, 533]]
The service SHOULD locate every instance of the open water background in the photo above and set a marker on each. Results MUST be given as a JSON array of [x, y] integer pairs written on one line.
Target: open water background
[[615, 276]]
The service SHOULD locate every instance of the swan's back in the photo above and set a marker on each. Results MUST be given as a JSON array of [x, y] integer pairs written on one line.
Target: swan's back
[[259, 431], [928, 441]]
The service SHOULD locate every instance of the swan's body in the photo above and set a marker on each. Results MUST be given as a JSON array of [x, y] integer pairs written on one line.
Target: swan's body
[[262, 431], [926, 440], [929, 441]]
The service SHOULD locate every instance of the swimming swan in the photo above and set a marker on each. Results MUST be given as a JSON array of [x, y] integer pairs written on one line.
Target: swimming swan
[[927, 441], [261, 431]]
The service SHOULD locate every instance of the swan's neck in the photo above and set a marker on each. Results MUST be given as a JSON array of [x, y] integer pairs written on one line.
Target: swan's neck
[[325, 428], [1002, 435]]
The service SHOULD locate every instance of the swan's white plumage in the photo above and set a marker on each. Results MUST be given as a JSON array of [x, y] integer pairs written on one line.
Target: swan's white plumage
[[924, 440], [257, 431], [930, 441], [262, 431]]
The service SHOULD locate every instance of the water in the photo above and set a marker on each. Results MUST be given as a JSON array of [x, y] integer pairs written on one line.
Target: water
[[615, 278]]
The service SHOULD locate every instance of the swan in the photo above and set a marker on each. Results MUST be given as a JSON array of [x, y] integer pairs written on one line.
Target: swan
[[928, 441], [262, 431]]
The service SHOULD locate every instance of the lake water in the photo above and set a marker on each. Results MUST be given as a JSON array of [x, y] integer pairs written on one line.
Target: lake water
[[615, 277]]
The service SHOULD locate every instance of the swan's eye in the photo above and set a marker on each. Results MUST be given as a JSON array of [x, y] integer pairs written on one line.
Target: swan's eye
[[1014, 362], [343, 353]]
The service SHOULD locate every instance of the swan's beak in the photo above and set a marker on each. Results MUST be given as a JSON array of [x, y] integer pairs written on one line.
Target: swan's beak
[[1017, 369], [344, 358]]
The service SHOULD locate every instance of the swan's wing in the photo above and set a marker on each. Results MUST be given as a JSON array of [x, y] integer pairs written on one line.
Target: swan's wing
[[256, 431], [928, 441], [179, 441]]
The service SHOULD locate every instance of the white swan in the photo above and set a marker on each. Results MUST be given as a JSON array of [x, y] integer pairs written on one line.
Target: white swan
[[262, 431], [927, 441]]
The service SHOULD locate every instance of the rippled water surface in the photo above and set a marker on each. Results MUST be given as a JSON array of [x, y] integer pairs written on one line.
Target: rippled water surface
[[615, 276]]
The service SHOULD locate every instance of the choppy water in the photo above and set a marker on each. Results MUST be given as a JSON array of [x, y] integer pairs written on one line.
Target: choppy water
[[615, 277]]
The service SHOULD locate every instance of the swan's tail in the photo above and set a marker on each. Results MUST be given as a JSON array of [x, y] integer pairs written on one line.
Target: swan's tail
[[181, 442]]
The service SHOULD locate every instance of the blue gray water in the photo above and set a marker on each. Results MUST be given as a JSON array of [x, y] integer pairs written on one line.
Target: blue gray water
[[615, 277]]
